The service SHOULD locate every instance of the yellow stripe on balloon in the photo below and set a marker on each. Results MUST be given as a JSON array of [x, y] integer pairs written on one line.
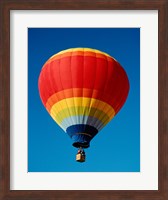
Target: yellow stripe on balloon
[[77, 102], [80, 49], [86, 111]]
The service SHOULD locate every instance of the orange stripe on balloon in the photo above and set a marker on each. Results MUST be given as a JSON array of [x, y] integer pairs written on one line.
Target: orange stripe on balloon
[[68, 93]]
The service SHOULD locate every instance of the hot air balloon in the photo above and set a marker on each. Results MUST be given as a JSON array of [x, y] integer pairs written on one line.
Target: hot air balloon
[[82, 89]]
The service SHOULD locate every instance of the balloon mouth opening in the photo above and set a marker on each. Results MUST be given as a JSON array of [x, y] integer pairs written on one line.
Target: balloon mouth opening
[[81, 144]]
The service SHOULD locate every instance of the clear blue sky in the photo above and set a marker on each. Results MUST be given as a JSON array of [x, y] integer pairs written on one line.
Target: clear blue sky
[[117, 147]]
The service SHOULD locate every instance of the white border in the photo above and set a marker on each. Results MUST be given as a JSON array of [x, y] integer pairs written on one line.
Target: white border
[[147, 179]]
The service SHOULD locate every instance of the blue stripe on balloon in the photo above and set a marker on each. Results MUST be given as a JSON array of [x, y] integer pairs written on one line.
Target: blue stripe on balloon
[[81, 134], [81, 128]]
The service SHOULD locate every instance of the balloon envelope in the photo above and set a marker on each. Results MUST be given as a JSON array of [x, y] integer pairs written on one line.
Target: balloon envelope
[[82, 89]]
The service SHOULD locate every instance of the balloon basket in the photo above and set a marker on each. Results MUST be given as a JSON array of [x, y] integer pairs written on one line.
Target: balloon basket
[[80, 156]]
